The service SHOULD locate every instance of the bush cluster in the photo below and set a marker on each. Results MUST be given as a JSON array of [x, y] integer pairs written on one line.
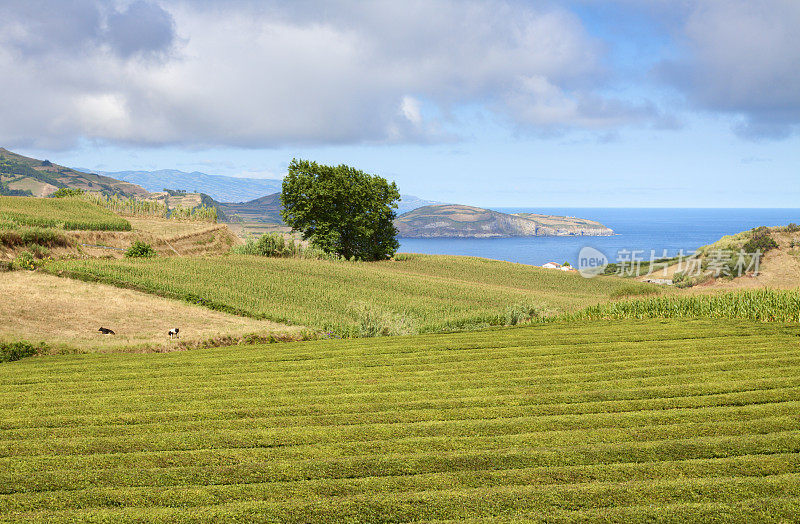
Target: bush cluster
[[523, 312], [375, 321], [10, 351], [761, 240], [276, 245], [67, 192], [140, 249], [26, 260]]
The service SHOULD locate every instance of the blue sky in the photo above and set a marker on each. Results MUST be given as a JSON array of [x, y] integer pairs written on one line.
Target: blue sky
[[554, 104]]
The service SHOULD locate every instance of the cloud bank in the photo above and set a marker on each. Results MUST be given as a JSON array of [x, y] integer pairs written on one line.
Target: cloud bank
[[256, 74], [742, 57], [266, 74]]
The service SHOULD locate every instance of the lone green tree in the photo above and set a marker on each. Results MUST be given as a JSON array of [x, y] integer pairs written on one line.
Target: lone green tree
[[341, 210]]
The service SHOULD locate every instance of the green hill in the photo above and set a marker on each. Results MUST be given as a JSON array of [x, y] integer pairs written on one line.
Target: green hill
[[451, 220], [266, 209], [418, 293], [24, 176], [625, 421]]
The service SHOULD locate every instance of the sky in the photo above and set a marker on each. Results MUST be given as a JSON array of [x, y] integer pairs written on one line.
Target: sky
[[582, 103]]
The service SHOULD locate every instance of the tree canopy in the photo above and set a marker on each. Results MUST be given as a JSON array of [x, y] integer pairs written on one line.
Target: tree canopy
[[341, 209]]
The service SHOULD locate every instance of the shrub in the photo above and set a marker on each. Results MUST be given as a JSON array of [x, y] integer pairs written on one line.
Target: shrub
[[276, 245], [67, 192], [140, 249], [761, 241], [26, 260], [682, 280], [525, 312], [39, 252], [10, 351], [793, 228], [377, 322]]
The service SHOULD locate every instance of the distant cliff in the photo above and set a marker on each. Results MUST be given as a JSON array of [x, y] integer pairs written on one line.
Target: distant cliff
[[451, 220]]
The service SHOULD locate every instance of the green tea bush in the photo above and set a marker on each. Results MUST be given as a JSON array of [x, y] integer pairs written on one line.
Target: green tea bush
[[140, 249], [10, 351]]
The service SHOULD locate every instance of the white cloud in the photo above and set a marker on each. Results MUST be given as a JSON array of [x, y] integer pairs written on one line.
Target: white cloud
[[411, 110], [259, 74]]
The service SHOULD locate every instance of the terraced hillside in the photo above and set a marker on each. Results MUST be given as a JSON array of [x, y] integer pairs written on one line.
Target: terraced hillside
[[619, 421]]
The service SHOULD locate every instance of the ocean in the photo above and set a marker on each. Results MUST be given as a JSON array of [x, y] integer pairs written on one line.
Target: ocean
[[653, 231]]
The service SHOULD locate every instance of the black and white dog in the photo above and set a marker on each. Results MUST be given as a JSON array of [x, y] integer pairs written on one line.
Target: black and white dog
[[106, 331], [174, 333]]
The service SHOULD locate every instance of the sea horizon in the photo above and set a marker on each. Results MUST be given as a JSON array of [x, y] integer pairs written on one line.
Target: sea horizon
[[653, 231]]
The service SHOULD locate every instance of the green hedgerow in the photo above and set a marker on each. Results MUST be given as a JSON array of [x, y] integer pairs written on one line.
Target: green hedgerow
[[10, 351]]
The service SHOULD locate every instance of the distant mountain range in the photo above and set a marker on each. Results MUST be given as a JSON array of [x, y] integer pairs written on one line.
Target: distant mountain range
[[220, 188]]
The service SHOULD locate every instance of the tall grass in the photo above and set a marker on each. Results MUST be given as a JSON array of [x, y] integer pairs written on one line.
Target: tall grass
[[763, 305], [276, 245]]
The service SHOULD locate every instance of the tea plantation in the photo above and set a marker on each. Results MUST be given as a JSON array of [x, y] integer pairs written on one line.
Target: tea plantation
[[624, 420]]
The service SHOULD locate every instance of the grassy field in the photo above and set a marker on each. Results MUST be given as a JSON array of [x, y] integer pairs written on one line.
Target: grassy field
[[66, 315], [61, 213], [427, 293], [615, 421]]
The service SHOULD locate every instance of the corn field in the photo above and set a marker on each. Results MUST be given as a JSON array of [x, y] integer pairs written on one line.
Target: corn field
[[430, 293], [763, 305], [58, 213], [128, 206], [151, 208]]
